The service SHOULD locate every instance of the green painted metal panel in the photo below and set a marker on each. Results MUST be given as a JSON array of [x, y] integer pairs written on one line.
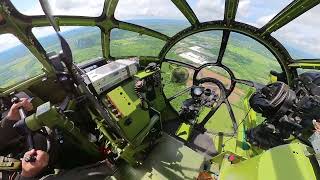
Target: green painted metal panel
[[133, 118], [47, 115], [105, 43], [143, 74], [308, 65], [169, 160], [286, 162], [184, 131], [109, 7], [230, 11], [64, 21]]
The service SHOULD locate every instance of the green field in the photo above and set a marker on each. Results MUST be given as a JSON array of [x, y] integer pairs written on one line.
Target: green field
[[19, 70]]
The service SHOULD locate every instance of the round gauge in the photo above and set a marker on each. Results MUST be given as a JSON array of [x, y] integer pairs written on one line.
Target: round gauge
[[197, 91]]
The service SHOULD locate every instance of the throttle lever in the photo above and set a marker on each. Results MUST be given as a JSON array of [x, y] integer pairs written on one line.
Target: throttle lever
[[22, 125]]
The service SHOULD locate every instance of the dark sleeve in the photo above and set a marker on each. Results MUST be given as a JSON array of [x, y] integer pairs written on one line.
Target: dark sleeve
[[6, 123], [19, 177], [44, 173], [8, 135]]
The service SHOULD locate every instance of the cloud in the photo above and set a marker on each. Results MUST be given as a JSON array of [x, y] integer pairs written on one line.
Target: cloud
[[45, 31], [70, 7], [78, 7], [42, 31], [243, 8], [36, 10], [8, 41], [257, 12], [264, 19], [303, 33], [142, 9], [208, 10]]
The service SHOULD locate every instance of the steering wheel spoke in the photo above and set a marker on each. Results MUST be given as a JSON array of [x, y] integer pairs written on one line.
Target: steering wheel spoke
[[232, 116], [253, 84], [180, 63], [179, 93]]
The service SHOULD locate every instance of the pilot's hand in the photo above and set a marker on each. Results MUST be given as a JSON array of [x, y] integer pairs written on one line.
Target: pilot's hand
[[316, 126], [32, 169], [13, 113]]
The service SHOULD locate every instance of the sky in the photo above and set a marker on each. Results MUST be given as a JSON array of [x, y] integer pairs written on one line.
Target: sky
[[303, 33]]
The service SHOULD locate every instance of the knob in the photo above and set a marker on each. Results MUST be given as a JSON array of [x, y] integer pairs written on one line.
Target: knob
[[118, 115], [15, 100]]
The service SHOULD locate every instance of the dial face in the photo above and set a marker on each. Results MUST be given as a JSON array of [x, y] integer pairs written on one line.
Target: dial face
[[197, 91]]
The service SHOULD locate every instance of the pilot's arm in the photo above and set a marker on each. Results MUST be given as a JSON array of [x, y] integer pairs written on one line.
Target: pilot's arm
[[30, 170], [317, 126], [13, 115], [8, 135]]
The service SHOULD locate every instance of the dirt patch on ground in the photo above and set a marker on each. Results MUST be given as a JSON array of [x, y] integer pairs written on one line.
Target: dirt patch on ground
[[235, 95]]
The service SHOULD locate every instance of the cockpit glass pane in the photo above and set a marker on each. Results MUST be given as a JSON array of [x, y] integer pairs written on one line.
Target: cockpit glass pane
[[176, 79], [197, 49], [207, 10], [160, 15], [307, 70], [258, 13], [126, 43], [85, 42], [301, 37], [17, 63], [61, 7], [248, 59]]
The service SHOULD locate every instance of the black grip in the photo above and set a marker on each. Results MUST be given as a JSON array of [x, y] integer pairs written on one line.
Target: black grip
[[22, 125], [15, 100]]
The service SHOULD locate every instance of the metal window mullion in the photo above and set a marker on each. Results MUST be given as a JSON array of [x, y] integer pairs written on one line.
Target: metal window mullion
[[289, 13], [142, 30], [186, 10]]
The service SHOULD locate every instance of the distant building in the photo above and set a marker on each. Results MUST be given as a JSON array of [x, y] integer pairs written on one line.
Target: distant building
[[196, 54], [194, 57], [203, 51]]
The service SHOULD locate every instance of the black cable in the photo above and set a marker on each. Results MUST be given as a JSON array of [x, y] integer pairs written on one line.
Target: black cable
[[237, 127], [302, 140]]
